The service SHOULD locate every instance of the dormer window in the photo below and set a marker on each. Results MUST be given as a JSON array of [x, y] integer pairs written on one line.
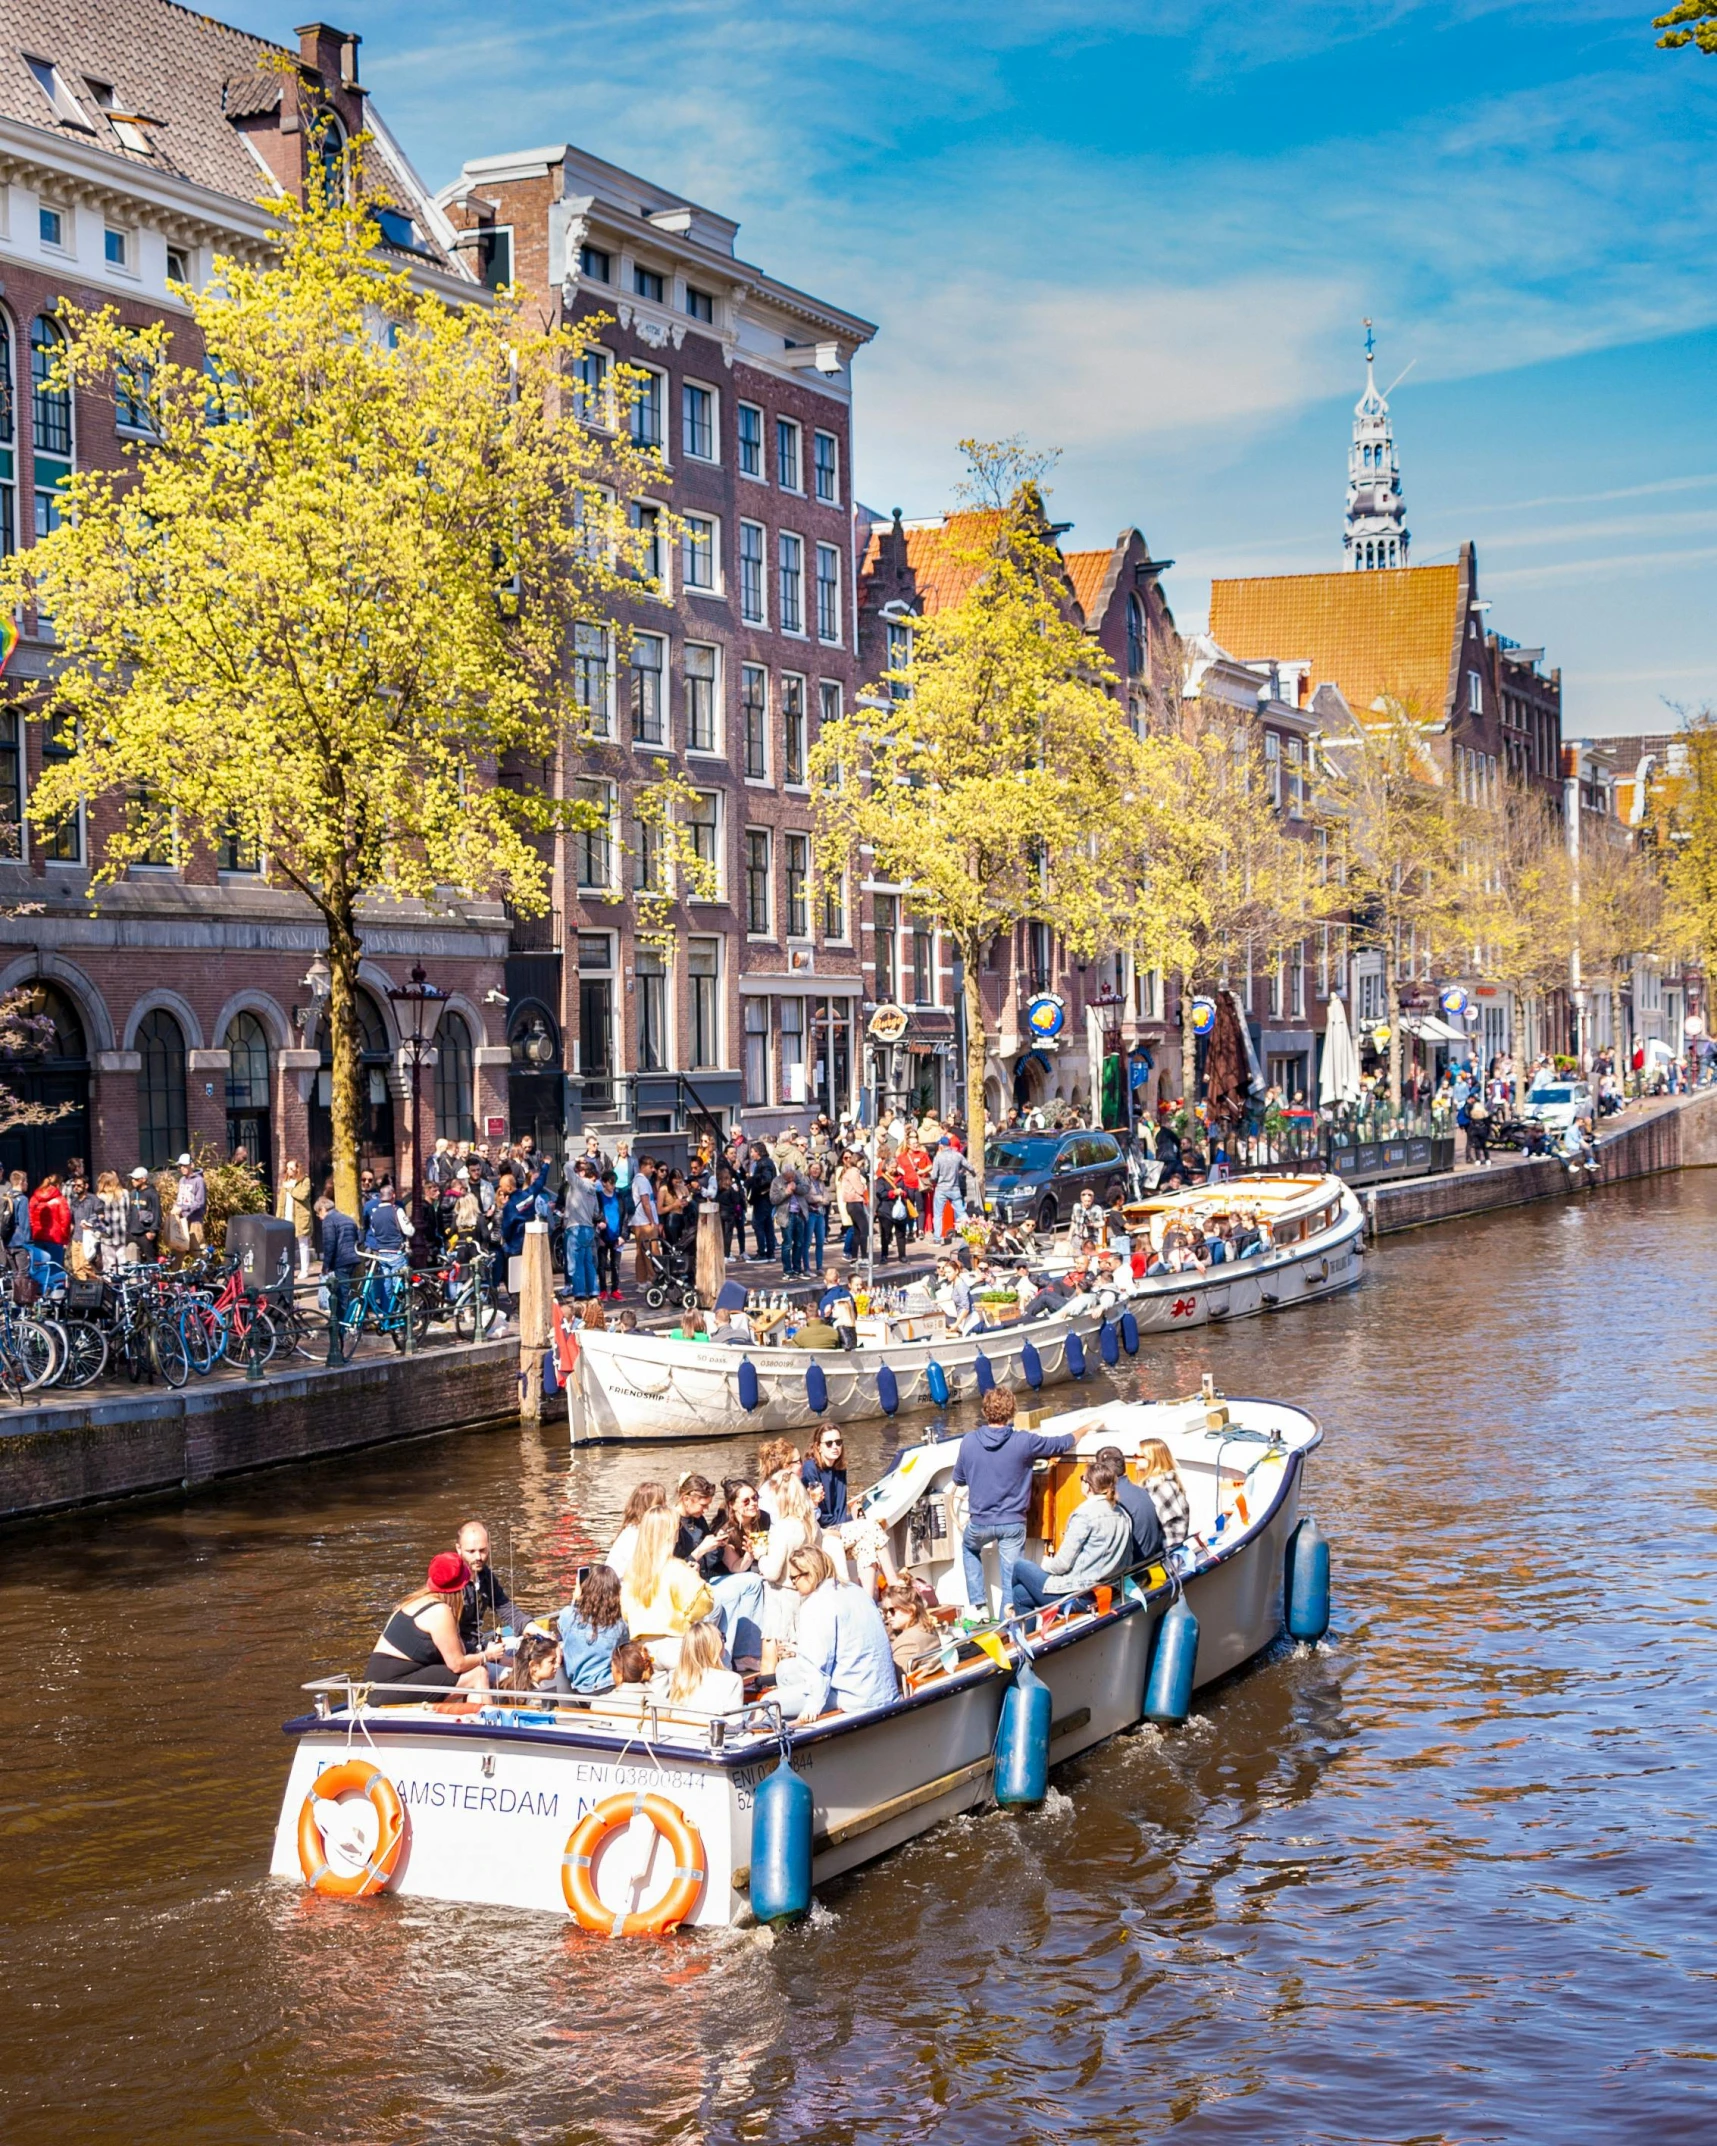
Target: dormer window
[[52, 85], [396, 226], [647, 284], [699, 304], [331, 154], [593, 262]]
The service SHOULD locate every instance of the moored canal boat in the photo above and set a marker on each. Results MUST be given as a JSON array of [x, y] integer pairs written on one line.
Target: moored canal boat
[[648, 1824]]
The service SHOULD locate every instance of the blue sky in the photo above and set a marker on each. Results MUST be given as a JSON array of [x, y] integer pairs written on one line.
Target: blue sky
[[1147, 236]]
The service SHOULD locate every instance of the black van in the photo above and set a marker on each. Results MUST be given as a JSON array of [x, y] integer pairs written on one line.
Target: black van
[[1037, 1177]]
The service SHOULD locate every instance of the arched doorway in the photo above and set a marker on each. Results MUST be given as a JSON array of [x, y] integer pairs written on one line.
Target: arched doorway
[[1031, 1080], [250, 1090], [45, 1063], [375, 1098], [161, 1130], [536, 1085]]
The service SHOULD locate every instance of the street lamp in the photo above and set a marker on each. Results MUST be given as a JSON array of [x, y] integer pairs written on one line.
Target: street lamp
[[417, 1010], [1111, 1006]]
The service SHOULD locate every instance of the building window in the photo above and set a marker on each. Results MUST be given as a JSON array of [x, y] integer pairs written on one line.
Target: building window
[[751, 606], [1297, 980], [793, 729], [652, 982], [788, 474], [1275, 988], [494, 256], [116, 248], [899, 658], [590, 676], [648, 284], [648, 655], [133, 383], [8, 445], [237, 852], [750, 440], [697, 416], [647, 411], [704, 827], [1273, 767], [828, 703], [791, 558], [757, 1051], [754, 713], [697, 553], [248, 1081], [835, 906], [828, 593], [593, 262], [703, 967], [647, 874], [791, 1014], [1296, 778], [51, 227], [592, 843], [699, 304], [158, 849], [63, 843], [1475, 693], [11, 786], [160, 1090], [1136, 661], [798, 886], [51, 414], [887, 926], [1039, 953], [923, 963], [590, 397], [454, 1082], [700, 698], [759, 921], [648, 521], [826, 461]]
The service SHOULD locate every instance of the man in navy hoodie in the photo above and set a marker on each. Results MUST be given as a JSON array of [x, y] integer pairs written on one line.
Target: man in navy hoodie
[[995, 1465]]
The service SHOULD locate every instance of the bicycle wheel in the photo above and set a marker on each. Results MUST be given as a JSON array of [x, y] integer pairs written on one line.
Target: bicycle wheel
[[167, 1346], [39, 1353], [194, 1342], [86, 1353], [261, 1334]]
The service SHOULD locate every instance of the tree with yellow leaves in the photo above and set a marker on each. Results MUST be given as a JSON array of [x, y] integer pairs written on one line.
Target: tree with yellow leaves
[[337, 594], [994, 775]]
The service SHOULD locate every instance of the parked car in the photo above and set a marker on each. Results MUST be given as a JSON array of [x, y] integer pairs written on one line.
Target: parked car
[[1558, 1103], [1036, 1178]]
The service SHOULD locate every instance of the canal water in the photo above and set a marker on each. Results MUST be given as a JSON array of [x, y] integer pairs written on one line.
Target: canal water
[[1449, 1876]]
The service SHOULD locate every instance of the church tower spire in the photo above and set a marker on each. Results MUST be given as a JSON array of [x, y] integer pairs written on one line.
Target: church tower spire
[[1376, 531]]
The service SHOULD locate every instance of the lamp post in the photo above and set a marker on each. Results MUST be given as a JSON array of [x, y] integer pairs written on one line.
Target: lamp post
[[1111, 1005], [417, 1009]]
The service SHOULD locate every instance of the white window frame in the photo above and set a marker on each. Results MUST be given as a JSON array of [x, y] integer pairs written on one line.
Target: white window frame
[[1475, 693], [765, 780], [604, 421], [718, 820], [128, 267], [665, 385], [759, 617], [789, 836], [759, 475], [717, 750], [701, 387], [595, 793], [837, 639], [790, 781], [830, 498], [783, 427], [665, 560], [711, 555], [754, 1023], [785, 538], [664, 714], [601, 722], [767, 935], [843, 937], [714, 976]]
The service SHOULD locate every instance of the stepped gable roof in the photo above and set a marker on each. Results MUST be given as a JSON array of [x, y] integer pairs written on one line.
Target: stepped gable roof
[[1370, 635], [190, 75], [945, 556]]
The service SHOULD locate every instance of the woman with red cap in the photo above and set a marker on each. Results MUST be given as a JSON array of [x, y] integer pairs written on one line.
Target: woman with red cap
[[420, 1642]]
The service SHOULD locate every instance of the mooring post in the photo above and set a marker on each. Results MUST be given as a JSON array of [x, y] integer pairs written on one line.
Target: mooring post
[[536, 1299]]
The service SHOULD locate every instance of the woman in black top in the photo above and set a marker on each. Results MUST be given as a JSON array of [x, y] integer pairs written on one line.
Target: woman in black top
[[420, 1643]]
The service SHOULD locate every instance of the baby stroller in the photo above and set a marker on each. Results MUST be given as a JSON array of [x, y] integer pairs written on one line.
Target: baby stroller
[[670, 1268]]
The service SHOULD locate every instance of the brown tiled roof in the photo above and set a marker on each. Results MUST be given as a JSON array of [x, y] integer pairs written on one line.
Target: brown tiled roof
[[1087, 570], [1370, 635], [161, 61]]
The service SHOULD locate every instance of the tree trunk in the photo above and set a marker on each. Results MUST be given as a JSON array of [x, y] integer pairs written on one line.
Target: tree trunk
[[1394, 1042], [344, 951], [1188, 1045], [977, 1052]]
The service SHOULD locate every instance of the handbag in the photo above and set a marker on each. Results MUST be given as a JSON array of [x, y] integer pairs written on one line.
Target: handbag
[[178, 1232], [898, 1210]]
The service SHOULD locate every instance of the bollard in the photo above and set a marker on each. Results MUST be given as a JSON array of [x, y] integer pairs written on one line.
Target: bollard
[[536, 1297], [336, 1308], [253, 1341]]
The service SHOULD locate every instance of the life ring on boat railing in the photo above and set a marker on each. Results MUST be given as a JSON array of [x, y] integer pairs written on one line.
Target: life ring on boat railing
[[354, 1775], [577, 1866]]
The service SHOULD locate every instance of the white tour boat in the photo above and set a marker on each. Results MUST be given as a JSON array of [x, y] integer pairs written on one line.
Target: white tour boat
[[645, 1824], [650, 1386]]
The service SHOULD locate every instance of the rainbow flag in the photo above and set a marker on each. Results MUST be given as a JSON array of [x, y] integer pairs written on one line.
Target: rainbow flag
[[8, 639]]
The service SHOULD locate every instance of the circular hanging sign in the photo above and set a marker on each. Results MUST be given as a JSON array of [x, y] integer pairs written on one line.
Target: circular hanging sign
[[888, 1024], [1693, 1025], [1203, 1016], [1454, 1000], [1380, 1036], [1046, 1015]]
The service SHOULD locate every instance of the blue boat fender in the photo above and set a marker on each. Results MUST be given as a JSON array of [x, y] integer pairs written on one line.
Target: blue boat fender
[[887, 1388], [1075, 1356], [986, 1371], [816, 1389], [1129, 1333], [1109, 1343], [937, 1380], [1022, 1740], [1174, 1658], [1031, 1366], [747, 1384], [781, 1846], [1308, 1581]]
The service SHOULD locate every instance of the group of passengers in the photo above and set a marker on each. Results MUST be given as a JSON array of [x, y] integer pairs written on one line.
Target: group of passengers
[[1194, 1248]]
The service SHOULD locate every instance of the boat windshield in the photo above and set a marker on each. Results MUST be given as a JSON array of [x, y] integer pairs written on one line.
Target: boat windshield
[[1552, 1095], [1034, 1152]]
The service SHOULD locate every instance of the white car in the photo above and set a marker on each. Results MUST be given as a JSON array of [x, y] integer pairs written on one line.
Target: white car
[[1559, 1103]]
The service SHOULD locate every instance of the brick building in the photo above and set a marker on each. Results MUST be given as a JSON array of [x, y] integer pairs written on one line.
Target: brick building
[[729, 674], [911, 570], [136, 141]]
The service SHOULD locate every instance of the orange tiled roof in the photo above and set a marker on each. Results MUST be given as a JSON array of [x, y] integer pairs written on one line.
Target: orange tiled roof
[[1391, 633], [1086, 570]]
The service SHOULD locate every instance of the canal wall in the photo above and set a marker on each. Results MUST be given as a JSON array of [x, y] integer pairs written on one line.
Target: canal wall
[[65, 1455], [1680, 1136]]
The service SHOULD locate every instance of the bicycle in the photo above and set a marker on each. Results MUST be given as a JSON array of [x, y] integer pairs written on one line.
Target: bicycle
[[387, 1300]]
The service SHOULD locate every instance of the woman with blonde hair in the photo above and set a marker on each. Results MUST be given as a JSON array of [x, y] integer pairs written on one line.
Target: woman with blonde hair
[[293, 1204], [793, 1528], [1168, 1492], [645, 1498], [662, 1596], [420, 1642], [110, 1217], [699, 1684]]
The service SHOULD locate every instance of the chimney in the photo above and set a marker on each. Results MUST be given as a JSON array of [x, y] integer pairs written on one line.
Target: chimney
[[330, 53]]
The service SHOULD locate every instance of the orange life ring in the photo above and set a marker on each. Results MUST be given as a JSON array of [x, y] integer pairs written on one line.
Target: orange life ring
[[577, 1880], [342, 1780]]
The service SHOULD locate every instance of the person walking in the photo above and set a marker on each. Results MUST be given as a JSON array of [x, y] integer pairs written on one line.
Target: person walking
[[852, 1192], [759, 1178]]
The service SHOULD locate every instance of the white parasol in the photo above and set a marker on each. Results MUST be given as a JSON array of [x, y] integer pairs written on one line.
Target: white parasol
[[1338, 1077]]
